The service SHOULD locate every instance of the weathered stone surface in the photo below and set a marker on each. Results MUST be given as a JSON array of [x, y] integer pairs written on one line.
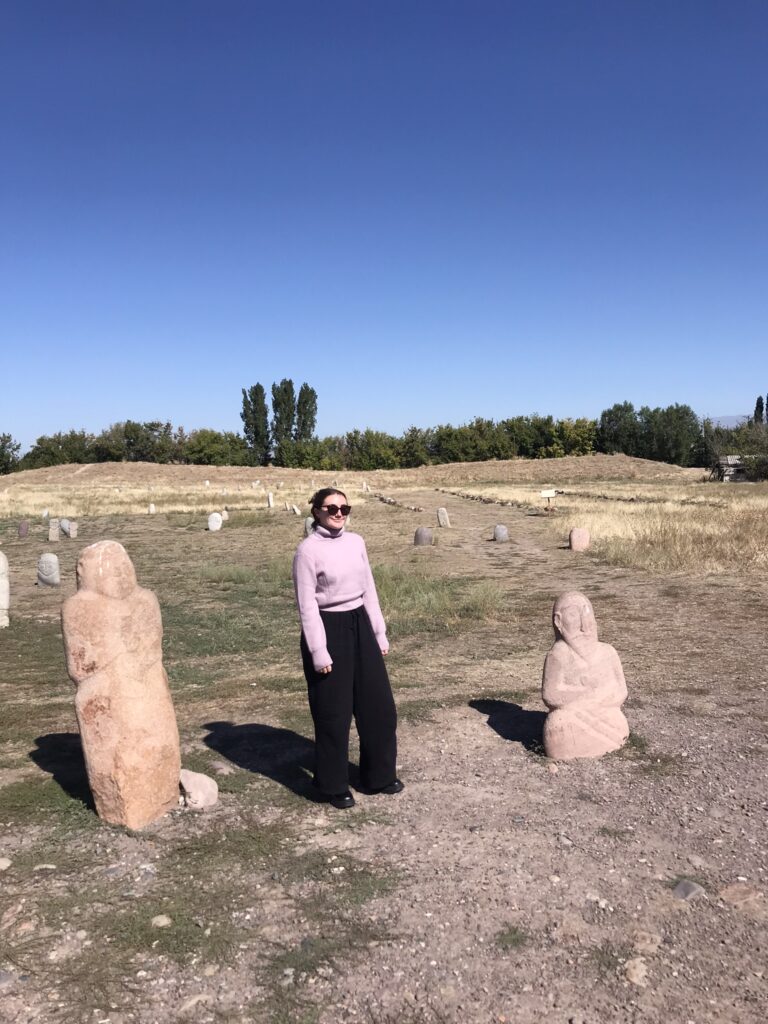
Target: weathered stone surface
[[5, 591], [423, 537], [309, 525], [215, 521], [296, 510], [199, 791], [69, 528], [583, 686], [443, 519], [688, 890], [113, 643], [225, 515], [636, 971], [53, 530], [500, 534], [64, 526], [48, 570], [270, 500], [579, 539], [73, 530], [23, 529]]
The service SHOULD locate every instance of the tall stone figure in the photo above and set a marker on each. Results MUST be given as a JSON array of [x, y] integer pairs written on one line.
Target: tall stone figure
[[583, 686], [112, 639]]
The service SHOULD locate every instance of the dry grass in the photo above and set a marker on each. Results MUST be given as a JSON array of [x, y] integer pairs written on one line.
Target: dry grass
[[668, 526], [128, 488]]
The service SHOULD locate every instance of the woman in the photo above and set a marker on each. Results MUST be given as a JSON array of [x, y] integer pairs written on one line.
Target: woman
[[343, 643]]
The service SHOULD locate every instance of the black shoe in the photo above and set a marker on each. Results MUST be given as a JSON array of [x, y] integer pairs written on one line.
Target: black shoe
[[390, 790], [341, 801]]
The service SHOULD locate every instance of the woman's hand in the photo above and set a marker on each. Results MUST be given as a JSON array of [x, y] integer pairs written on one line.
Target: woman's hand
[[325, 670], [384, 651]]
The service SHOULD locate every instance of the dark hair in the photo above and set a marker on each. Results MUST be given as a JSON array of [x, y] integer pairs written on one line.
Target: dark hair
[[318, 498]]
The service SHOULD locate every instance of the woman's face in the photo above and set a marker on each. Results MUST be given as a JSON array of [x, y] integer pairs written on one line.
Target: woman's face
[[331, 521]]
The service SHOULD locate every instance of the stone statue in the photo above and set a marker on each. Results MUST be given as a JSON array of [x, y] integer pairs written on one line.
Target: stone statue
[[48, 569], [5, 591], [113, 643], [215, 522], [583, 686]]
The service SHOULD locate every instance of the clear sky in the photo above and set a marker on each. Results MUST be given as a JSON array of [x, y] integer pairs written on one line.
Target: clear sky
[[429, 210]]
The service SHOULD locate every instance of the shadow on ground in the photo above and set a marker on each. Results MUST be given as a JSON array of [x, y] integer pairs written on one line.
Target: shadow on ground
[[61, 755], [279, 754], [513, 722]]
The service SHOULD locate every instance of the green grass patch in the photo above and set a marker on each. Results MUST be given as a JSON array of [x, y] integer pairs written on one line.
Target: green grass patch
[[43, 801], [511, 937]]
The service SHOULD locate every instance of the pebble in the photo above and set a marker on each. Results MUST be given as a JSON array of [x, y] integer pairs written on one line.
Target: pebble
[[44, 867], [161, 921], [4, 863], [688, 890], [695, 861], [636, 971]]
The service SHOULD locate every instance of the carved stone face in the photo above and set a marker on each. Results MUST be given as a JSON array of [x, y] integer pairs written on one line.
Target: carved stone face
[[106, 569], [574, 619], [48, 568]]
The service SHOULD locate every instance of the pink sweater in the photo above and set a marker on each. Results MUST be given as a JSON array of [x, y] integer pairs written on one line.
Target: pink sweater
[[331, 571]]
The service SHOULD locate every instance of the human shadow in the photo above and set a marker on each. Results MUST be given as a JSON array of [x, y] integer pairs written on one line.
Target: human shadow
[[514, 723], [279, 754], [61, 755]]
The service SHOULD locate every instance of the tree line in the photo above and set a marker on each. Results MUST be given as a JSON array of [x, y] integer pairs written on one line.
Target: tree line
[[285, 436]]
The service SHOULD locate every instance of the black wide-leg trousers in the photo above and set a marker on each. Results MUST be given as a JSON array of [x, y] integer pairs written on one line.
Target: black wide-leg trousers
[[357, 685]]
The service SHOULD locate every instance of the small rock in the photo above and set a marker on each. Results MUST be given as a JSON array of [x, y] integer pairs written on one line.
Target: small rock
[[161, 921], [552, 769], [193, 1001], [44, 867], [636, 971], [199, 791], [696, 862], [688, 890], [4, 863]]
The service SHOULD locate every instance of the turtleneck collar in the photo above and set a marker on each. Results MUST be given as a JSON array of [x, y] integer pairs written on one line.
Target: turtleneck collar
[[330, 534]]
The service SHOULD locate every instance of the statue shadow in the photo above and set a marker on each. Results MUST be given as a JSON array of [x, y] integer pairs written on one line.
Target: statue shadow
[[279, 754], [61, 755], [514, 723]]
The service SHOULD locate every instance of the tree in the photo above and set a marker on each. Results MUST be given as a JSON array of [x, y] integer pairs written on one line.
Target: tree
[[618, 429], [255, 417], [9, 453], [59, 449], [215, 448], [283, 416], [758, 417], [306, 413]]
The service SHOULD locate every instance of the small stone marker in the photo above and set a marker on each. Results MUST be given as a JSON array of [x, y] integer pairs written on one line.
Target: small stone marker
[[199, 791], [215, 522], [501, 534], [64, 526], [442, 518], [225, 515], [583, 686], [207, 483], [72, 530], [287, 506], [23, 529], [48, 570], [113, 635], [423, 537], [296, 510], [309, 525], [151, 509], [578, 539], [53, 530], [45, 514], [270, 500], [254, 484], [5, 591]]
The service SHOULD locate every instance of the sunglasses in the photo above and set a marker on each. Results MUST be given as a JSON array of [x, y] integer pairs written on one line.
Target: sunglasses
[[333, 510]]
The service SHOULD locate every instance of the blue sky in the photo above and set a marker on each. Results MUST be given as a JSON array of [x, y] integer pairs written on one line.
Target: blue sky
[[429, 210]]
